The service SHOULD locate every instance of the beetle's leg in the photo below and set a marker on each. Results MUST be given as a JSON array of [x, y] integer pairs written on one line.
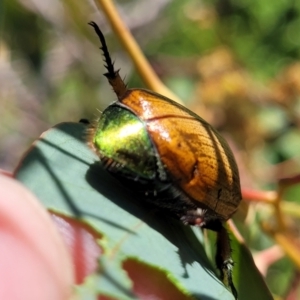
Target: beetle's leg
[[112, 75], [224, 261]]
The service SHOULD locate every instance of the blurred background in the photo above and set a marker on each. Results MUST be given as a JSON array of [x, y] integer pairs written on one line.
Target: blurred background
[[236, 63]]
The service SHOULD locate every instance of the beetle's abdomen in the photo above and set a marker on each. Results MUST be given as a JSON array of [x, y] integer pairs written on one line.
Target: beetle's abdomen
[[121, 138], [196, 157]]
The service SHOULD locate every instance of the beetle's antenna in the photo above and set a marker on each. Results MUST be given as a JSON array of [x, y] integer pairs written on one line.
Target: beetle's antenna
[[112, 75]]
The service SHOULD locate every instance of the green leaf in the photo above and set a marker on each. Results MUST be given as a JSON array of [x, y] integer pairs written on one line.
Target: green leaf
[[248, 280], [65, 175]]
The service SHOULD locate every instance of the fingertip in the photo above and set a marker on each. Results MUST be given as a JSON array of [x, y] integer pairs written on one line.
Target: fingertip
[[35, 263]]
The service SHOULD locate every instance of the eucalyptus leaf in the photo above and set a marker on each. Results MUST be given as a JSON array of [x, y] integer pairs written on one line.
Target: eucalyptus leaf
[[67, 178]]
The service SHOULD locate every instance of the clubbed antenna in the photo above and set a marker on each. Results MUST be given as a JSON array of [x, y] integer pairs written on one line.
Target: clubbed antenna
[[112, 75]]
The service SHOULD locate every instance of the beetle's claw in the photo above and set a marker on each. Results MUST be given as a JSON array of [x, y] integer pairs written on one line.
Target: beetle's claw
[[223, 259], [226, 276]]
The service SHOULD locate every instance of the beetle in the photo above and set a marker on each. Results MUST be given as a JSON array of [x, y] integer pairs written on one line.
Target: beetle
[[174, 158]]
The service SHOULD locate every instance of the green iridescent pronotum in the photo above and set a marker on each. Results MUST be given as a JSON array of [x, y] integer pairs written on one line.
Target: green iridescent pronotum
[[122, 137]]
